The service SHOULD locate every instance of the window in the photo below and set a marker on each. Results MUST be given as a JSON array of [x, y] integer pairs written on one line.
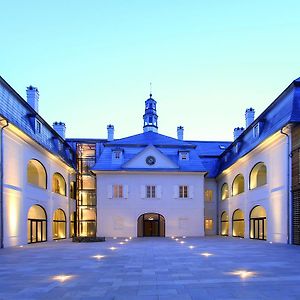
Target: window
[[256, 130], [184, 155], [58, 184], [36, 174], [150, 191], [238, 224], [208, 195], [258, 176], [117, 154], [209, 224], [73, 190], [224, 191], [238, 185], [224, 224], [59, 225], [38, 126], [118, 191], [183, 191]]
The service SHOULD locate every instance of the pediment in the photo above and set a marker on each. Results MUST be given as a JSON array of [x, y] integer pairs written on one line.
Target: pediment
[[150, 158]]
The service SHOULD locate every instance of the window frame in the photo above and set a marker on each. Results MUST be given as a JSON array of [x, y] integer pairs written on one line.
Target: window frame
[[183, 192]]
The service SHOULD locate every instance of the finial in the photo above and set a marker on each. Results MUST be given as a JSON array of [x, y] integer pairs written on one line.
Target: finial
[[150, 89]]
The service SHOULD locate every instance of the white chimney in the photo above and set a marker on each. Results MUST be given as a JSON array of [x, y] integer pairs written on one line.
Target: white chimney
[[110, 132], [33, 97], [180, 130], [237, 132], [60, 128], [249, 116]]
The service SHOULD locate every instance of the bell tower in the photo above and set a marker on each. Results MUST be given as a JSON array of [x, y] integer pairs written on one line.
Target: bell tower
[[150, 116]]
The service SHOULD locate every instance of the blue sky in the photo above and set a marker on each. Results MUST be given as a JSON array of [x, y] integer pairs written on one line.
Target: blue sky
[[208, 61]]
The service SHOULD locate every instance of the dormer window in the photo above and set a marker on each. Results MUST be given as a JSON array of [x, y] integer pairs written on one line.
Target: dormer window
[[184, 155], [38, 126], [237, 148], [117, 155], [256, 130]]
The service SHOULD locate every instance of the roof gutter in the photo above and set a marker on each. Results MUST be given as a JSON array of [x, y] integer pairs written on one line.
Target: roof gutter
[[1, 186]]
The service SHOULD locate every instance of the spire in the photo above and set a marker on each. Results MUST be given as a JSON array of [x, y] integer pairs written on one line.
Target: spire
[[150, 117]]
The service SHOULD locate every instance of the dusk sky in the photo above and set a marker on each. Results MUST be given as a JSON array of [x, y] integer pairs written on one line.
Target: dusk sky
[[93, 60]]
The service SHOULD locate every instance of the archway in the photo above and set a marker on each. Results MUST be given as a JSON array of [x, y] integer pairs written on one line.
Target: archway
[[59, 225], [36, 224], [150, 224], [238, 224], [258, 223], [224, 224]]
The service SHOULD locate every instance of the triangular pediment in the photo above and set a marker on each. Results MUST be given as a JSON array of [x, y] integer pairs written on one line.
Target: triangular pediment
[[150, 158]]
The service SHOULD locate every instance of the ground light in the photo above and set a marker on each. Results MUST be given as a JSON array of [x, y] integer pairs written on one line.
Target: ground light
[[126, 240], [176, 240], [113, 248], [62, 278], [243, 273], [172, 237], [182, 242], [206, 254], [191, 247], [121, 243], [114, 237], [130, 237], [98, 256]]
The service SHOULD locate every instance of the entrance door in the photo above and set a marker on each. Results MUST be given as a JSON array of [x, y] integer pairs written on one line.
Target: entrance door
[[37, 231], [258, 226], [151, 224]]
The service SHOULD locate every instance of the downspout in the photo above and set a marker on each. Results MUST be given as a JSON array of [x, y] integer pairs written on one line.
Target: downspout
[[1, 187], [288, 185]]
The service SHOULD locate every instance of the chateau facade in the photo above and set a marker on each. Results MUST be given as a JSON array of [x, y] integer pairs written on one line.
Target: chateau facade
[[148, 184]]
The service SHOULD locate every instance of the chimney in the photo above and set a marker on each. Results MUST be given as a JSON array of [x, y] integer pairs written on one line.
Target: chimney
[[33, 97], [60, 128], [237, 132], [110, 132], [180, 130], [249, 116]]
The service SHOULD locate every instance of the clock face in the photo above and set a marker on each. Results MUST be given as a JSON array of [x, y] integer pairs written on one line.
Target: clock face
[[150, 160]]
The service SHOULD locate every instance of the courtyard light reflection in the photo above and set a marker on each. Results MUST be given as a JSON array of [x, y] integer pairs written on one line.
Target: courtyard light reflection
[[206, 254], [98, 257], [62, 278], [113, 248], [243, 274]]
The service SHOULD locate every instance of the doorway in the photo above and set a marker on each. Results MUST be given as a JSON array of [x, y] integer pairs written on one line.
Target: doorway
[[151, 224]]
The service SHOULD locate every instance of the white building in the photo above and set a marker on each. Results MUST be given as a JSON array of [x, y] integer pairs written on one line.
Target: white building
[[149, 184]]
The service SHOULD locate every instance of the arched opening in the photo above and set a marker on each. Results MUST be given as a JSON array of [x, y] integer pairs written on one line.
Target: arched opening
[[224, 224], [58, 184], [36, 225], [72, 223], [238, 185], [238, 224], [36, 174], [59, 225], [224, 191], [151, 224], [258, 223], [258, 176]]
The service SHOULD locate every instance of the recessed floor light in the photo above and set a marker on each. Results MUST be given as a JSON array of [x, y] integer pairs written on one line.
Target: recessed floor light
[[206, 254], [62, 277]]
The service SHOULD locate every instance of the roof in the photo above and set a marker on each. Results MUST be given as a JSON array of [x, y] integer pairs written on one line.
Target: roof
[[19, 113]]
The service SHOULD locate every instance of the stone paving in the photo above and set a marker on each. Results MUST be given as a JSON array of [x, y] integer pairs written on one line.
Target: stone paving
[[151, 268]]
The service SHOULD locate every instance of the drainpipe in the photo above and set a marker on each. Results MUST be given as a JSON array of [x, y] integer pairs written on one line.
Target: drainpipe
[[1, 186], [288, 185]]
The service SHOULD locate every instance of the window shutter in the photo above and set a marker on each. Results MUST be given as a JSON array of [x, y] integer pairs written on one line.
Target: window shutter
[[109, 191], [176, 192], [190, 191], [126, 191], [143, 191], [158, 191]]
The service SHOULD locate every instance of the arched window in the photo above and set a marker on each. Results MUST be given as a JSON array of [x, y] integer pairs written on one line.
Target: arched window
[[58, 184], [36, 174], [238, 224], [258, 176], [258, 223], [238, 185], [36, 224], [59, 225], [224, 223], [224, 191]]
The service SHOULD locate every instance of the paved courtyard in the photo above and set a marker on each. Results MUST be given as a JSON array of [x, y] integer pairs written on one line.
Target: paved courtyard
[[151, 268]]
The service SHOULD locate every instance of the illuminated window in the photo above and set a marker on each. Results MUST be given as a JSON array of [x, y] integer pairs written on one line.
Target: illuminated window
[[258, 223], [224, 223], [58, 184], [238, 224], [150, 191], [258, 176], [208, 195], [36, 174], [73, 190], [72, 224], [209, 224], [118, 191], [224, 191], [36, 224], [59, 225], [238, 185], [183, 191]]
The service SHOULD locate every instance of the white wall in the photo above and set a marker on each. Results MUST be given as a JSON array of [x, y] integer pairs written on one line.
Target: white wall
[[272, 196], [118, 217], [19, 195]]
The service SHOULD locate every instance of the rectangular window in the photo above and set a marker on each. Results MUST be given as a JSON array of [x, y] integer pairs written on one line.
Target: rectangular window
[[208, 195], [117, 154], [256, 131], [150, 191], [183, 191], [38, 126], [184, 155], [209, 224], [118, 191]]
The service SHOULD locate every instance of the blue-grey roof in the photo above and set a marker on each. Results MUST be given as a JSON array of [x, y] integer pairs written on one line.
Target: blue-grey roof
[[18, 112]]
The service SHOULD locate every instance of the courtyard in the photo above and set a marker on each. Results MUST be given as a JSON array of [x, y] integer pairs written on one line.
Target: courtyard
[[151, 268]]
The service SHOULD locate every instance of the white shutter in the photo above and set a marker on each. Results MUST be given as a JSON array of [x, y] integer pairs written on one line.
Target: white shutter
[[158, 191], [176, 192], [191, 191], [126, 191], [109, 191], [143, 191]]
